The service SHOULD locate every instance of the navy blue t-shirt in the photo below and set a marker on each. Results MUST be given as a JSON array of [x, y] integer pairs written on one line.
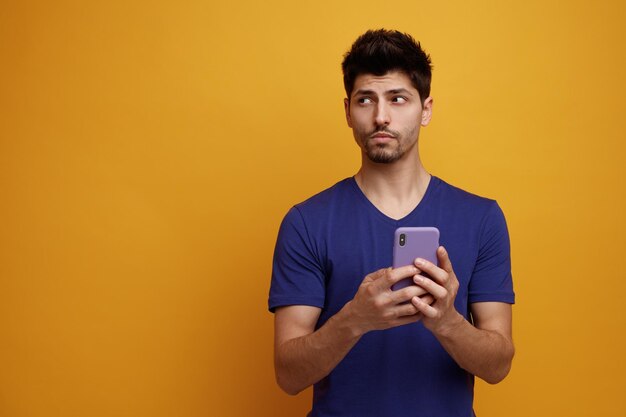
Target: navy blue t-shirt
[[330, 242]]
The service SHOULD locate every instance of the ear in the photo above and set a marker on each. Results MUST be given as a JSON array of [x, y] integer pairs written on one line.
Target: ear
[[346, 106], [427, 111]]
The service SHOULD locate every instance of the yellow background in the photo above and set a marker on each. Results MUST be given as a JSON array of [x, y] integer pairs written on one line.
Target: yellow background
[[149, 150]]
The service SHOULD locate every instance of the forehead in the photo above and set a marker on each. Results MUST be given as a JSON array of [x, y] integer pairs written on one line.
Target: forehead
[[392, 80]]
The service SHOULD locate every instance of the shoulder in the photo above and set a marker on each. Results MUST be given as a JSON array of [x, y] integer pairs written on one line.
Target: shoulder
[[462, 197], [327, 201], [338, 191], [458, 202], [318, 208]]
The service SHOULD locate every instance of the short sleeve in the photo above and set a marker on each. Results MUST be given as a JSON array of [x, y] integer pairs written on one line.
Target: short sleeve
[[491, 278], [297, 273]]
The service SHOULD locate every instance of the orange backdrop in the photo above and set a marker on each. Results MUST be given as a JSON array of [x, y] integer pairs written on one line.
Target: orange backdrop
[[149, 150]]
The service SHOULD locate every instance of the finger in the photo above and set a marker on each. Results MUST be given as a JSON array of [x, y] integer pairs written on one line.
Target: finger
[[394, 275], [424, 308], [376, 275], [400, 321], [430, 286], [405, 294], [381, 273], [444, 259], [432, 270], [428, 299], [407, 309]]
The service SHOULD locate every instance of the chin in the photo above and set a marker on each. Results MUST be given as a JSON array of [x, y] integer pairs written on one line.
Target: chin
[[383, 156]]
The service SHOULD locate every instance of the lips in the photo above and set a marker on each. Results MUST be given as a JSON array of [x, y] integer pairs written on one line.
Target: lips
[[382, 135], [381, 138]]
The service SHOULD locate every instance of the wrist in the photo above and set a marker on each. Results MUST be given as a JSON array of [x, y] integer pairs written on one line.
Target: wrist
[[348, 321], [450, 326]]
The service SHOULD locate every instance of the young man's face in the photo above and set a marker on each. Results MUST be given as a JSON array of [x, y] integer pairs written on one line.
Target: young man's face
[[385, 113]]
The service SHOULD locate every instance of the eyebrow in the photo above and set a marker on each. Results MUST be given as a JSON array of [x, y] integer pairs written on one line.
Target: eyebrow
[[392, 91], [400, 90]]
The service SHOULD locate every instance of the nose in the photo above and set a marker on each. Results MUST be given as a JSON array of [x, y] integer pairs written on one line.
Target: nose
[[383, 117]]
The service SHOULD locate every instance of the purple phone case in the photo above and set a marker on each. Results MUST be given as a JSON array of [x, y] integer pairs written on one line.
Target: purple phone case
[[420, 242]]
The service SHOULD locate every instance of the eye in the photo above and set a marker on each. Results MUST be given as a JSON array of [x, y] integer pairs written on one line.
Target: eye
[[365, 100], [399, 99]]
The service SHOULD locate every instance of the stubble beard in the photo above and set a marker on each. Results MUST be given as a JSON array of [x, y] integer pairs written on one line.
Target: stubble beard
[[385, 153]]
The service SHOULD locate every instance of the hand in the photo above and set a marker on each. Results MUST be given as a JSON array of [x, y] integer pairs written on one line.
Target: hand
[[440, 316], [376, 306]]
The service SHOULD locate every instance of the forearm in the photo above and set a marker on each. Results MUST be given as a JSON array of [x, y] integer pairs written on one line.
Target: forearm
[[303, 361], [304, 356], [484, 353]]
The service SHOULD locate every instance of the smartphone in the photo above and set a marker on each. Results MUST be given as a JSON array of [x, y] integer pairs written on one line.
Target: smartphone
[[414, 242]]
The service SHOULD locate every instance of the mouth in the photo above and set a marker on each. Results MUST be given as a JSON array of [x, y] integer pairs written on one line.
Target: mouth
[[381, 138], [382, 135]]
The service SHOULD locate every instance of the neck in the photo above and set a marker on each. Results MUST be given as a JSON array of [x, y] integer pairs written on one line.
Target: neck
[[396, 188]]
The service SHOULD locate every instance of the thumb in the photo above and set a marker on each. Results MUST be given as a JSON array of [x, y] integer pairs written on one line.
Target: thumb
[[444, 259]]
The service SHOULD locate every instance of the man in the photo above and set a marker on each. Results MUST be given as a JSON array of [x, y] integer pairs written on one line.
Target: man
[[368, 350]]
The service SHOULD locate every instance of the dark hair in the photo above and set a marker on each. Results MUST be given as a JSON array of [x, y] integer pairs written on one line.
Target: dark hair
[[379, 51]]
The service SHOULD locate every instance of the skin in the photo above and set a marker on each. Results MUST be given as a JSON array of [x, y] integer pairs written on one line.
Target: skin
[[386, 113]]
